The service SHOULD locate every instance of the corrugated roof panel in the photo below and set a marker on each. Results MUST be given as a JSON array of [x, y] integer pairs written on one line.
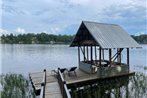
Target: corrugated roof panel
[[109, 35]]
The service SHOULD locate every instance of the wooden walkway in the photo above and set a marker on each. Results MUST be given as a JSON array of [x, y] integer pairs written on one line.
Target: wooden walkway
[[52, 89]]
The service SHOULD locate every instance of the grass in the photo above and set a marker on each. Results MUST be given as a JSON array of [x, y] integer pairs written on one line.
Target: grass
[[15, 86]]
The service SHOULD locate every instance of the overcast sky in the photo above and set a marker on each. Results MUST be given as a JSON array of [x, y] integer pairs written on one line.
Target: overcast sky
[[65, 16]]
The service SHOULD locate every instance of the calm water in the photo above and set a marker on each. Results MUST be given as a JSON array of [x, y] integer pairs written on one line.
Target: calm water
[[20, 58], [31, 58]]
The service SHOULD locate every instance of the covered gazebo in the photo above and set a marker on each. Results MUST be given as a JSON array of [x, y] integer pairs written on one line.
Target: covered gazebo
[[94, 39]]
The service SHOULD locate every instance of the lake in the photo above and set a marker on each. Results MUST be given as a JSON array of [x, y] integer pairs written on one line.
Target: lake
[[25, 58]]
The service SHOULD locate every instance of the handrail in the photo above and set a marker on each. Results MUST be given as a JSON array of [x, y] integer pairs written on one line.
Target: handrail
[[63, 87], [42, 92], [67, 91]]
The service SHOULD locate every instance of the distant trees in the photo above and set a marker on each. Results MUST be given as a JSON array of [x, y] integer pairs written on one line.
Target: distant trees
[[41, 38], [44, 38], [142, 39]]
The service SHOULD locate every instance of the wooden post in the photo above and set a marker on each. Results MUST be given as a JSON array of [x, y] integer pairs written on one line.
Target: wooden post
[[84, 53], [100, 56], [87, 54], [95, 54], [119, 55], [110, 54], [91, 55], [128, 61], [103, 54], [79, 55]]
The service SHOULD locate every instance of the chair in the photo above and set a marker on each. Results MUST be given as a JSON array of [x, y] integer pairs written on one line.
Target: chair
[[62, 70], [72, 69]]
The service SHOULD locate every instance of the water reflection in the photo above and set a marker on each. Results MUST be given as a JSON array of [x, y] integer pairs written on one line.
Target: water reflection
[[125, 87]]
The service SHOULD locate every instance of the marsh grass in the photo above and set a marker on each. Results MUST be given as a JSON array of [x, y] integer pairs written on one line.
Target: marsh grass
[[15, 86]]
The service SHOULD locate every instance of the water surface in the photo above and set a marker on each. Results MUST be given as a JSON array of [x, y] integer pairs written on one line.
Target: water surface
[[23, 58]]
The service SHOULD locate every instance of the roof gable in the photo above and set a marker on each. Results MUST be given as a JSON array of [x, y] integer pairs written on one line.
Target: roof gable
[[105, 35]]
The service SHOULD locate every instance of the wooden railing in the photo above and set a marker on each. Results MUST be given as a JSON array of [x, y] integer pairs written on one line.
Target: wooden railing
[[42, 92], [63, 87]]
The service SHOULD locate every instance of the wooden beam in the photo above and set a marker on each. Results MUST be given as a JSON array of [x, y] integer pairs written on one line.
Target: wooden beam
[[87, 54], [110, 54], [95, 54], [103, 54], [91, 55], [79, 55], [84, 53], [100, 56], [119, 55], [128, 57]]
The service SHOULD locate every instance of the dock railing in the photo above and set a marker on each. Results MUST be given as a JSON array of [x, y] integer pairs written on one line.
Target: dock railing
[[42, 92], [63, 87]]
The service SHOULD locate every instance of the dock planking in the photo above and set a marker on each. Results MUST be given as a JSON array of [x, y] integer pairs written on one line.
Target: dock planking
[[52, 89]]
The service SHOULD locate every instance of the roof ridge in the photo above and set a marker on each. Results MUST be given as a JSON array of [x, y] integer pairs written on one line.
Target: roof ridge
[[99, 23]]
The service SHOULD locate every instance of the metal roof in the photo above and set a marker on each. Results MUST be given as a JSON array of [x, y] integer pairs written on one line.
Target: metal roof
[[105, 35]]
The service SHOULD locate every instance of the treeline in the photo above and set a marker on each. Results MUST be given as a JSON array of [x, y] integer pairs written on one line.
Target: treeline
[[41, 38], [44, 38], [141, 39]]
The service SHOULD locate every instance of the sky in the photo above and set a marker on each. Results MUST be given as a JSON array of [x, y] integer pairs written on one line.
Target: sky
[[65, 16]]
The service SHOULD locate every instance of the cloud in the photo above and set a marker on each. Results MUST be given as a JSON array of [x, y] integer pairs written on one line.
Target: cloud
[[132, 17], [58, 16], [20, 30], [139, 33], [3, 31]]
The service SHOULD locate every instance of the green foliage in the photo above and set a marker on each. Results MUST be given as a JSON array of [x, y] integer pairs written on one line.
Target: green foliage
[[41, 38], [142, 39], [15, 86]]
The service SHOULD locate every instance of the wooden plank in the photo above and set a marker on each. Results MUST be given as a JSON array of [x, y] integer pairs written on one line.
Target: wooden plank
[[82, 76], [52, 89]]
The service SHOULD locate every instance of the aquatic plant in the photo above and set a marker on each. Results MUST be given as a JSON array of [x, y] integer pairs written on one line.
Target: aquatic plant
[[15, 86]]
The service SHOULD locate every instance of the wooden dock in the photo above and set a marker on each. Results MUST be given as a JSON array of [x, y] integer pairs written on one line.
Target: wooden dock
[[50, 85], [52, 89]]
